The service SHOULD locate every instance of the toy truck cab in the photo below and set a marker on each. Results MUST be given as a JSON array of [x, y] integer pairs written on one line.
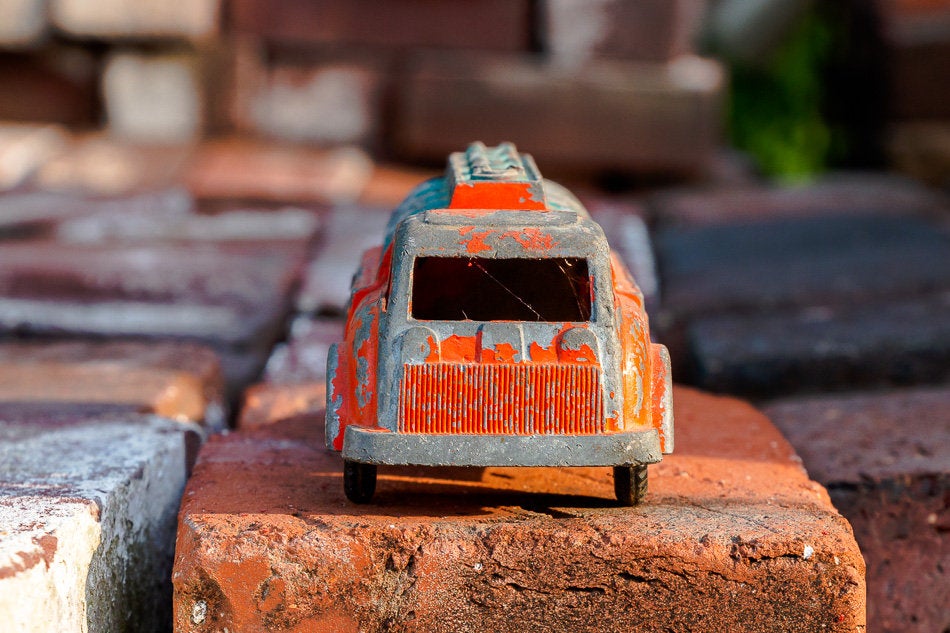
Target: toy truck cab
[[494, 327]]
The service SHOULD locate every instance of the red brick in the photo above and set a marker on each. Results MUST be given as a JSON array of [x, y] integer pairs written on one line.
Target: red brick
[[575, 31], [657, 118], [254, 171], [389, 185], [24, 148], [733, 536], [175, 380], [476, 24], [885, 459], [268, 403]]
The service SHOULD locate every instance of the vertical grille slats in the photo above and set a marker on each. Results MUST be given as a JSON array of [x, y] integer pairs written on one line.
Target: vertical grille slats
[[502, 399]]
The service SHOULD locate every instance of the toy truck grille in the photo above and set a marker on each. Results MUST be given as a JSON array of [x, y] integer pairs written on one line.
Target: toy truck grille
[[495, 399]]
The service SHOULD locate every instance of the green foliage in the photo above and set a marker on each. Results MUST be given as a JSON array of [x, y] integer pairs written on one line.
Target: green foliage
[[775, 110]]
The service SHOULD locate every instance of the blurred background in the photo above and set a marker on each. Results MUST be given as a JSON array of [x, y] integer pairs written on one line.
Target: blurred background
[[653, 89]]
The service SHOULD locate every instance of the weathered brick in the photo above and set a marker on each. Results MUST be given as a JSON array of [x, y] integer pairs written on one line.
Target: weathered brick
[[475, 24], [321, 99], [288, 225], [155, 98], [921, 149], [33, 213], [87, 519], [234, 297], [303, 358], [851, 194], [175, 380], [885, 459], [822, 260], [22, 22], [25, 148], [123, 19], [576, 31], [101, 165], [658, 118], [823, 348], [733, 536], [629, 236], [349, 231], [268, 403], [390, 184], [251, 171]]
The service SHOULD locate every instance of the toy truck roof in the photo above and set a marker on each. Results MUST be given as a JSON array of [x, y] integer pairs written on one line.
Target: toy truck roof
[[489, 186]]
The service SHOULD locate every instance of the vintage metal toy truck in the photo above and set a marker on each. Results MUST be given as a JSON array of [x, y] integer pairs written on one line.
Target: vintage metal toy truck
[[494, 327]]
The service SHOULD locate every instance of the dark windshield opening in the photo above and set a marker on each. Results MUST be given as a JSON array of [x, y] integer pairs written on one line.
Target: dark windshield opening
[[480, 289]]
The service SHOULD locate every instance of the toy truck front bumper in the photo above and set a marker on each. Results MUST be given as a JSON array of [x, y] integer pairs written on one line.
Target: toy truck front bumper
[[371, 446]]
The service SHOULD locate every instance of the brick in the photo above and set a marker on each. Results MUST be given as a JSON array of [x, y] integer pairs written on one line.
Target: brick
[[303, 358], [175, 380], [56, 84], [733, 535], [35, 213], [656, 118], [87, 519], [477, 24], [576, 31], [350, 230], [155, 98], [22, 22], [24, 149], [823, 348], [321, 99], [124, 19], [288, 225], [835, 259], [251, 171], [233, 297], [268, 403], [100, 165], [844, 194], [629, 236], [885, 458]]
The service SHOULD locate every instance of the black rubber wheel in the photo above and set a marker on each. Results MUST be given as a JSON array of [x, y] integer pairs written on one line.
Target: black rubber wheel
[[630, 484], [359, 481]]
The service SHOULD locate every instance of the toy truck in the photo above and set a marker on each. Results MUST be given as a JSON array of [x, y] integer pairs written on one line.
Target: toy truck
[[495, 327]]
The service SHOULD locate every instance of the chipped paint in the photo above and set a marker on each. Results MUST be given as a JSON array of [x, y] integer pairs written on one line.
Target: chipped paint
[[531, 239], [475, 242]]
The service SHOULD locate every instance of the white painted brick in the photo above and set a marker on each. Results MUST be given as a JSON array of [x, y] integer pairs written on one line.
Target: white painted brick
[[153, 98], [88, 508], [22, 22], [325, 105], [136, 18]]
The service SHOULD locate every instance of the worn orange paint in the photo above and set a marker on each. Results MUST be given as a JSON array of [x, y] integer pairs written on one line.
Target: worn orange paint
[[583, 355], [657, 387], [501, 398], [455, 349], [475, 242], [532, 239], [496, 195], [634, 341], [502, 353]]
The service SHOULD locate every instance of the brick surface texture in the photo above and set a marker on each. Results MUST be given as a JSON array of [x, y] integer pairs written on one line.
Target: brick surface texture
[[733, 536], [885, 459], [87, 518]]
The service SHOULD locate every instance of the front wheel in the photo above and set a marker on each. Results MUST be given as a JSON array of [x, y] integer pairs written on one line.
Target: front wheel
[[359, 481], [630, 484]]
